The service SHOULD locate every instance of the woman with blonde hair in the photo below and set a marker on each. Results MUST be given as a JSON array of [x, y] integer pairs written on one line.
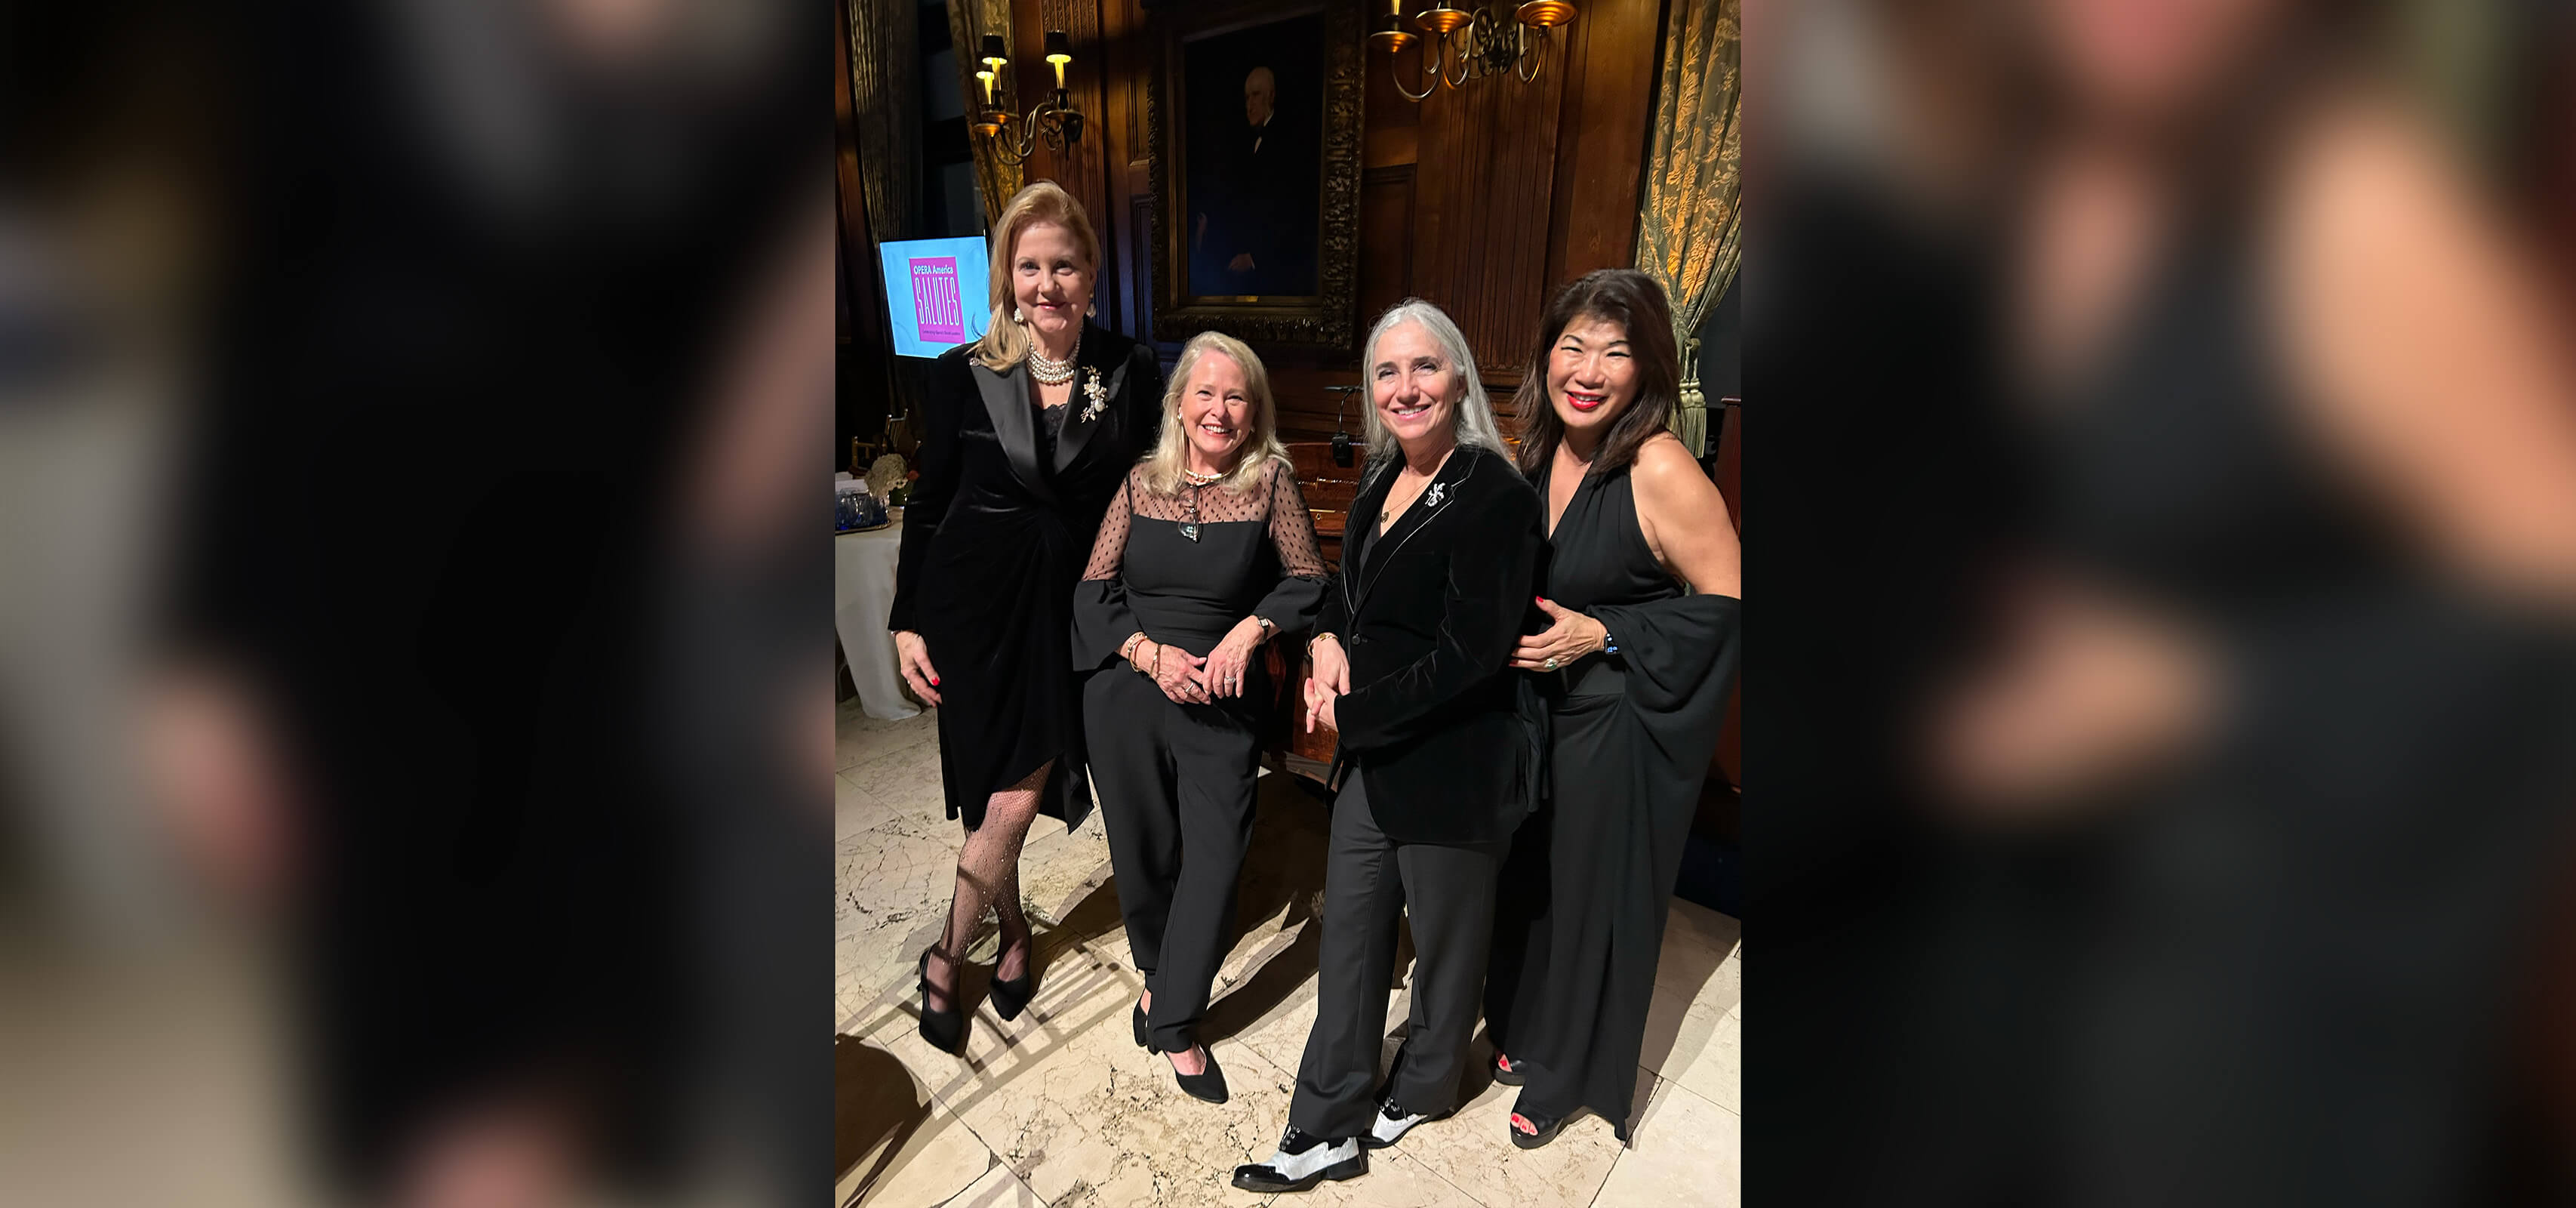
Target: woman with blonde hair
[[1207, 554], [1030, 431]]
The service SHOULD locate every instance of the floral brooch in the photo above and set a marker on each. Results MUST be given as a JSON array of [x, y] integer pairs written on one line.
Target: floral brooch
[[1097, 393]]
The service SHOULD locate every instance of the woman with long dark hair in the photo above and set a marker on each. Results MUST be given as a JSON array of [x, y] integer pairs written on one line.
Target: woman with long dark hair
[[1643, 586], [2282, 667]]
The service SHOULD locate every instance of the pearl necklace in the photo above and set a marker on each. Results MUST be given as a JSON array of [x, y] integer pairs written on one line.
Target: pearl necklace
[[1049, 371], [1200, 480]]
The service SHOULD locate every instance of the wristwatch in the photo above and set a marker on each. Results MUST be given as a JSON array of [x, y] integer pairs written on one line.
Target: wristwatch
[[1268, 629]]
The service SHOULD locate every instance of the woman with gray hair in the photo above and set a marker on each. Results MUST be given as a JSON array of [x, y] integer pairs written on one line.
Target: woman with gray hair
[[1439, 753]]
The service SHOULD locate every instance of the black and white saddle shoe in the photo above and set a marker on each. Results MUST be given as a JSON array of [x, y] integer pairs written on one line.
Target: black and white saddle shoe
[[1302, 1162], [1392, 1121]]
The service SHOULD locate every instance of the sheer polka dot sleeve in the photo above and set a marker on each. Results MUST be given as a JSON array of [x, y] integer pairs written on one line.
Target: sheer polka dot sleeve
[[1102, 619], [1292, 605]]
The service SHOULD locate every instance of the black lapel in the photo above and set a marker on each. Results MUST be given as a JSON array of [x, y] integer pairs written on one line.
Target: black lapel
[[1359, 530], [1006, 399], [1434, 502], [1077, 430]]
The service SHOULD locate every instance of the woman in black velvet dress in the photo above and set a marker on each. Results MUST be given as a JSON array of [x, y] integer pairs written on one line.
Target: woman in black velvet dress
[[1207, 555], [1644, 587], [1030, 432]]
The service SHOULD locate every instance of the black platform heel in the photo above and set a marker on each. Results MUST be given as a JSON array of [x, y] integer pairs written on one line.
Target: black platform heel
[[1547, 1126], [1509, 1072], [945, 1030], [1137, 1015], [1012, 997]]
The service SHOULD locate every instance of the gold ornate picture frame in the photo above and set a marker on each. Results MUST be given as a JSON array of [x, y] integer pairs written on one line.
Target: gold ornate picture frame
[[1231, 232]]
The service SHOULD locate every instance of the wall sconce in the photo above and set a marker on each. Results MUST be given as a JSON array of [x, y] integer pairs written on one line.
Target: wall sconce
[[1054, 118], [1492, 39]]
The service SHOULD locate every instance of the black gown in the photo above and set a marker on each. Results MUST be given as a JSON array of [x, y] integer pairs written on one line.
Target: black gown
[[1000, 523], [2284, 972], [1580, 919]]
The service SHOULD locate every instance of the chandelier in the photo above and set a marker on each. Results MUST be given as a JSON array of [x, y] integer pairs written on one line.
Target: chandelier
[[1491, 39], [1055, 118]]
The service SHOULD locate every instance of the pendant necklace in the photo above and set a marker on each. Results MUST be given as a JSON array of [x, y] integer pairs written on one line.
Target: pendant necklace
[[1190, 502]]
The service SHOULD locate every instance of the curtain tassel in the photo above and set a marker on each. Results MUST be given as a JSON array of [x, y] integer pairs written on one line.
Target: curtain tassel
[[1690, 420]]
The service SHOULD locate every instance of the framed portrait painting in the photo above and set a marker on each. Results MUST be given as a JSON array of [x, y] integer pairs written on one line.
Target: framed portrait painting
[[1254, 119]]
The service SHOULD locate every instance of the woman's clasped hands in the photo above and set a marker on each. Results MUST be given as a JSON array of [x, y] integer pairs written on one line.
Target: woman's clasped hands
[[1330, 679], [1180, 674]]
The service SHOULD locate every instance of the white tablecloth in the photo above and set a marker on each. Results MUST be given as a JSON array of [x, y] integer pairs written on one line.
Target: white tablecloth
[[862, 594]]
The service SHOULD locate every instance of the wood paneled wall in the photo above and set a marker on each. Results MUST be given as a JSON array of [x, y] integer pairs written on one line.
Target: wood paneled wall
[[1481, 199]]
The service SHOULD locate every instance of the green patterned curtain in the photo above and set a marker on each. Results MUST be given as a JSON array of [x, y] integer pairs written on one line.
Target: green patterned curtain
[[885, 95], [1689, 229], [968, 22]]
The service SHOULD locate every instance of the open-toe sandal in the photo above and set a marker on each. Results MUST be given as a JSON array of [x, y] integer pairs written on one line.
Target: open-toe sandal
[[1547, 1126]]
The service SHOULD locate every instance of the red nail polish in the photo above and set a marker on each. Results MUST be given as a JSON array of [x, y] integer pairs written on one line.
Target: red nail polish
[[934, 681]]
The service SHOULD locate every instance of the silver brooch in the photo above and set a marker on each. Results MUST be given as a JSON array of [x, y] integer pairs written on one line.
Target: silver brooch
[[1097, 393], [1437, 490]]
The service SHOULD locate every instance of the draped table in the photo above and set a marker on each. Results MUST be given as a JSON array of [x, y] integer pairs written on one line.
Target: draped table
[[862, 595]]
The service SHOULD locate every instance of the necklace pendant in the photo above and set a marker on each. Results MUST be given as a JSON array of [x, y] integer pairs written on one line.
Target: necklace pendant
[[1190, 530]]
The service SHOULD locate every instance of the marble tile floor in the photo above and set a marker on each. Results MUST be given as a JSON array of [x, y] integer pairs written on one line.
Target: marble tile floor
[[1060, 1108]]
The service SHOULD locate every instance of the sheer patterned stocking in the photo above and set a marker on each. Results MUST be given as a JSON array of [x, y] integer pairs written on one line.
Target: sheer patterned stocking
[[988, 877]]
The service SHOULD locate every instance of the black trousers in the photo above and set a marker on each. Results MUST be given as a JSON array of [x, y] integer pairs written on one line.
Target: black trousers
[[1448, 892], [1176, 791]]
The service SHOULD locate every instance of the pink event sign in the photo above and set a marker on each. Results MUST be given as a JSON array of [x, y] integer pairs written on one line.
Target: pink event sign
[[936, 307]]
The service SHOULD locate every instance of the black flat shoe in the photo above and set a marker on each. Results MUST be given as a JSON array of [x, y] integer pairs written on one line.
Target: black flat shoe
[[1206, 1086], [1547, 1127], [1510, 1072], [945, 1030], [1011, 997]]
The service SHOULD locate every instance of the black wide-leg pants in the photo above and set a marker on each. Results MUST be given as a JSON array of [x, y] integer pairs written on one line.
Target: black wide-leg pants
[[1448, 892], [1176, 791]]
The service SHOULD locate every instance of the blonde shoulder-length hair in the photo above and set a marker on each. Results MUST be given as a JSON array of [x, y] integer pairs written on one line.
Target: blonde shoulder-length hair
[[1162, 468], [1006, 340]]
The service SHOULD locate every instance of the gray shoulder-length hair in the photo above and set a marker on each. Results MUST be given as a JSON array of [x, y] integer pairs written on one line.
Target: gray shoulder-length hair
[[1472, 419]]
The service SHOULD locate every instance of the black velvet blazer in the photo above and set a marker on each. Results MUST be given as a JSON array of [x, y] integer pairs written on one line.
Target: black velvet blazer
[[993, 543], [1429, 612]]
